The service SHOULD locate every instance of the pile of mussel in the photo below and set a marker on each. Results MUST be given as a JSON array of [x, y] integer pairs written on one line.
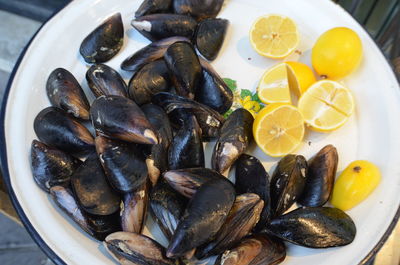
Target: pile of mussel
[[138, 149]]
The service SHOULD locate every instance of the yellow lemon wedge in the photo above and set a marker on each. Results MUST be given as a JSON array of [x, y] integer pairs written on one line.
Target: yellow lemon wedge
[[278, 129], [274, 85], [274, 36], [326, 105], [300, 76], [277, 82]]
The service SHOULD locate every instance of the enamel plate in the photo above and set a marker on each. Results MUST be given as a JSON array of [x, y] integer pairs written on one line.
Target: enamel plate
[[372, 133]]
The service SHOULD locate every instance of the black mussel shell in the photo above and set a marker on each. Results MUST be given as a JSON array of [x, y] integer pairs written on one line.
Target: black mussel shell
[[198, 8], [149, 53], [56, 128], [213, 91], [151, 79], [188, 181], [184, 65], [104, 42], [209, 120], [92, 190], [96, 226], [50, 166], [210, 36], [257, 249], [64, 91], [120, 118], [203, 218], [235, 136], [167, 207], [241, 219], [315, 227], [103, 225], [123, 163], [134, 210], [157, 158], [287, 183], [320, 177], [103, 80], [186, 150], [251, 177], [153, 6], [132, 248], [160, 26], [65, 199]]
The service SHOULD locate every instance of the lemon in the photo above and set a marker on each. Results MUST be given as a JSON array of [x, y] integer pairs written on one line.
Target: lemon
[[336, 53], [326, 105], [300, 77], [274, 85], [277, 82], [274, 36], [355, 184], [278, 129]]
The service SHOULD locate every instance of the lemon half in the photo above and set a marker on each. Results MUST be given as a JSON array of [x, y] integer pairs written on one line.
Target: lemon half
[[326, 105], [278, 129], [274, 36]]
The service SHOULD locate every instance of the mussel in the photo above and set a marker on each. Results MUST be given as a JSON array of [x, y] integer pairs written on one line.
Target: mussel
[[123, 163], [50, 166], [198, 8], [210, 36], [209, 120], [252, 177], [65, 199], [104, 42], [56, 128], [161, 26], [241, 219], [184, 65], [151, 79], [64, 91], [188, 181], [103, 80], [213, 91], [287, 183], [153, 6], [131, 248], [186, 150], [96, 226], [134, 210], [203, 218], [254, 250], [320, 177], [92, 190], [120, 118], [157, 159], [235, 136], [103, 225], [149, 53], [314, 227], [167, 207]]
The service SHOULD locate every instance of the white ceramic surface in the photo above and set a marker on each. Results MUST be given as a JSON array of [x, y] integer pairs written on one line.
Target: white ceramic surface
[[372, 133]]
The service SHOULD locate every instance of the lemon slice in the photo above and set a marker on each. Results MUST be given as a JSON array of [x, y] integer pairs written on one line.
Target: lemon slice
[[326, 105], [274, 36], [300, 76], [274, 85], [278, 129]]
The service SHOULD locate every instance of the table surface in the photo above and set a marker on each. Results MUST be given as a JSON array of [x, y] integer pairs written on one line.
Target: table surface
[[16, 247]]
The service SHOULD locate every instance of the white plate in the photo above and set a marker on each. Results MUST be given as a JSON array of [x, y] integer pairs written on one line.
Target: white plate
[[372, 133]]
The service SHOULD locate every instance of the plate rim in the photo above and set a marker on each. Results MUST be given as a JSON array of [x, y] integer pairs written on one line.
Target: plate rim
[[24, 219]]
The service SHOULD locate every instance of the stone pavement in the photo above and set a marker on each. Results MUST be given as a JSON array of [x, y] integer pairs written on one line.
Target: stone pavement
[[16, 246]]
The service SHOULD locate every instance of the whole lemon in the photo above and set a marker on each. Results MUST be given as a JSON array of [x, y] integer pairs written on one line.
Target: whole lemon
[[336, 53]]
